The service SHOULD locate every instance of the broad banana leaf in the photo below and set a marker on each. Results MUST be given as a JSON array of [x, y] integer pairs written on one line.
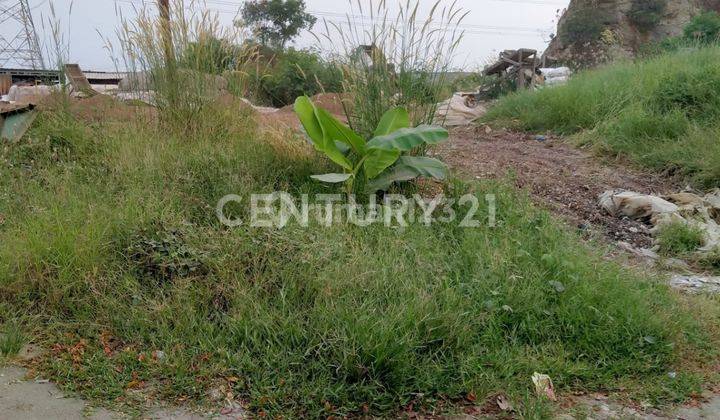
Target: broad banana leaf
[[407, 139], [338, 131], [392, 121], [408, 168], [377, 160], [332, 178], [311, 121]]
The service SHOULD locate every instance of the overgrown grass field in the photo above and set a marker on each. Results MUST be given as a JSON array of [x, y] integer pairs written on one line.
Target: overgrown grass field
[[662, 113], [112, 258]]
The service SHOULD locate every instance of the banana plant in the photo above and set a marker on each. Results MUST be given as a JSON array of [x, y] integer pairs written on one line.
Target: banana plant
[[380, 160]]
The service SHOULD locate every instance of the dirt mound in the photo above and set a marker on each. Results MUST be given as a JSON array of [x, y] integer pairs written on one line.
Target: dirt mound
[[332, 102]]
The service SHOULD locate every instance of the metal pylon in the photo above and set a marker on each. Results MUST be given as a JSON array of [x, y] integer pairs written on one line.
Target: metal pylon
[[19, 45]]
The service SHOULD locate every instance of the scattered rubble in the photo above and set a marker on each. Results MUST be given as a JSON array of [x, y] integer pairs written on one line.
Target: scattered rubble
[[561, 177], [685, 207], [696, 284]]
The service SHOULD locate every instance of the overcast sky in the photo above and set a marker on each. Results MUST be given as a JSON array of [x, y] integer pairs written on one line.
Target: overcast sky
[[492, 25]]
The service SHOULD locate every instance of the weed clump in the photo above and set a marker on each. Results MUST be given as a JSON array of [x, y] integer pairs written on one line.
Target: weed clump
[[162, 255], [11, 339], [679, 239]]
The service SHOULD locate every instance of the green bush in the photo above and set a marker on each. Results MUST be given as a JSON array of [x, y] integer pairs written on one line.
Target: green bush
[[646, 14], [296, 73], [583, 26], [704, 27]]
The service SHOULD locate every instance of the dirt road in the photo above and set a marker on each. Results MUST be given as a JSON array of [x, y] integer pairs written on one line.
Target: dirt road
[[564, 178]]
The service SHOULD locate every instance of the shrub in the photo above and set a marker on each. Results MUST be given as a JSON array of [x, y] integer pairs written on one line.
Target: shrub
[[679, 238], [296, 73], [583, 26], [646, 14], [704, 27]]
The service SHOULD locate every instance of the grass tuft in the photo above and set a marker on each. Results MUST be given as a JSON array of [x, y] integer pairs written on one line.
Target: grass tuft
[[679, 239]]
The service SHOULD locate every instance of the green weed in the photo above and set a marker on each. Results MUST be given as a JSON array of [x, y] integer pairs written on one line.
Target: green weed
[[12, 339], [678, 239]]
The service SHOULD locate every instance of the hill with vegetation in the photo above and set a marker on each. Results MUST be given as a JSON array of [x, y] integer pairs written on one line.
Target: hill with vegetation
[[594, 31]]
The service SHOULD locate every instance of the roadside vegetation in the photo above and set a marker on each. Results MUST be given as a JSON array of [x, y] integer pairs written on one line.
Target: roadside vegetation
[[112, 259], [661, 112], [111, 247]]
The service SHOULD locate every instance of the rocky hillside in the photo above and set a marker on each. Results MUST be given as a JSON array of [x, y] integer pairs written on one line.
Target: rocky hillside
[[593, 31]]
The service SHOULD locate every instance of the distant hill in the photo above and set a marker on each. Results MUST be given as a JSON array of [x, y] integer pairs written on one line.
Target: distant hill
[[593, 31]]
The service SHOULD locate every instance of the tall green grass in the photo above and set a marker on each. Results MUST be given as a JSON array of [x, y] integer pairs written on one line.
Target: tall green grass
[[661, 113], [306, 322]]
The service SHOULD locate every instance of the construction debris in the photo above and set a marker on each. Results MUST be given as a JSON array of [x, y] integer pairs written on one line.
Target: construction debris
[[520, 66], [15, 120], [78, 81], [685, 207], [696, 284]]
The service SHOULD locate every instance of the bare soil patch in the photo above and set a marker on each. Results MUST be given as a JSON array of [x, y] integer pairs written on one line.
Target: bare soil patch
[[556, 175]]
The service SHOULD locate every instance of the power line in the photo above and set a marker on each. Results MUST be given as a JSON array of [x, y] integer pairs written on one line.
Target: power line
[[340, 19]]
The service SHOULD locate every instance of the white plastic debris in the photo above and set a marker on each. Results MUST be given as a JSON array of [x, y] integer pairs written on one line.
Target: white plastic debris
[[29, 94], [634, 205], [544, 386], [454, 112], [556, 76], [550, 72]]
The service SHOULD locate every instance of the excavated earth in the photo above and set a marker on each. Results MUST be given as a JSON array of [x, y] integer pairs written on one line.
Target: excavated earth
[[563, 178]]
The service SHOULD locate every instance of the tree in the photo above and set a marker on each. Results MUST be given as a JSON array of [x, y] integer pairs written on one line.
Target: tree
[[275, 22]]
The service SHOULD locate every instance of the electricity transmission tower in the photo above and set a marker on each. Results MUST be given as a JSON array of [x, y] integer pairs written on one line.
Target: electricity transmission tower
[[19, 45]]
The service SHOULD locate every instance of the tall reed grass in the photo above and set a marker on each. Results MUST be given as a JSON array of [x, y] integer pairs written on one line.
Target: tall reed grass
[[393, 57], [202, 50]]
